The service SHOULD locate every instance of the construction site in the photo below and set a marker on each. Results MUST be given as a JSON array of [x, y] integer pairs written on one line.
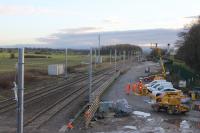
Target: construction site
[[102, 66], [125, 93]]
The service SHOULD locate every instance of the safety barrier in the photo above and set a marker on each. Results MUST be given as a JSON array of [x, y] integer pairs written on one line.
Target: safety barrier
[[95, 98]]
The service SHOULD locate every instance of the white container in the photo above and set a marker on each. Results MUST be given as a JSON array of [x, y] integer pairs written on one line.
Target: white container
[[56, 69], [182, 83]]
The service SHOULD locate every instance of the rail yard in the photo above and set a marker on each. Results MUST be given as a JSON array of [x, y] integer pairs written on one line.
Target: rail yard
[[50, 107], [45, 102], [99, 66]]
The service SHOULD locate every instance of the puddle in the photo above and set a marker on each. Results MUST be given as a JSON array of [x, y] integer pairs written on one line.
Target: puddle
[[119, 132], [152, 130], [130, 127], [184, 124], [150, 120], [141, 114]]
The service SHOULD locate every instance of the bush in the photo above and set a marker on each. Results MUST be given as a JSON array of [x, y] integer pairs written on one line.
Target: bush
[[6, 80], [12, 55], [36, 56]]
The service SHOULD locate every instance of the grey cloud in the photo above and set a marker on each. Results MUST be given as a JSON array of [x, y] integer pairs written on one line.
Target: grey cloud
[[86, 40], [193, 16]]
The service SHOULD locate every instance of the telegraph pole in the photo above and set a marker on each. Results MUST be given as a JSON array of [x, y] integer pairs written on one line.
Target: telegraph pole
[[66, 63], [20, 92], [90, 76]]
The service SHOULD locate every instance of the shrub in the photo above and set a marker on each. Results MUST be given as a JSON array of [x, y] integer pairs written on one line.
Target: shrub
[[12, 55]]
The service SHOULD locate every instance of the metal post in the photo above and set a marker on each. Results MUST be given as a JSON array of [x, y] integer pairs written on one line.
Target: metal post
[[90, 76], [66, 63], [124, 58], [99, 49], [115, 60], [20, 91], [131, 56], [95, 57], [168, 48], [110, 56], [128, 56]]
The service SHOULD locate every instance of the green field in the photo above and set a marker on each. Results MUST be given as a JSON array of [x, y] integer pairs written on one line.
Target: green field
[[7, 64]]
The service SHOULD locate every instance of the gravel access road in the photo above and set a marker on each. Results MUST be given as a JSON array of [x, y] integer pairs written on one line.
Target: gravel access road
[[143, 119]]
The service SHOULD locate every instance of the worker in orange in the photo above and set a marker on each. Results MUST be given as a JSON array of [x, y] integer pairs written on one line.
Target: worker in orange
[[140, 86], [70, 126], [134, 87], [128, 88]]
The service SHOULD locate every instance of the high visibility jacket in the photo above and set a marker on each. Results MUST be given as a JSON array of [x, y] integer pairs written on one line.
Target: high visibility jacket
[[134, 87], [140, 86], [128, 88], [70, 126]]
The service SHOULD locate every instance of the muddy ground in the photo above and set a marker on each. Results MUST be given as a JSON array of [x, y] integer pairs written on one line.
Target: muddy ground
[[143, 119]]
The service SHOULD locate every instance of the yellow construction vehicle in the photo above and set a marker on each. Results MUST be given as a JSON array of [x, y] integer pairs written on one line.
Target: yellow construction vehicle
[[170, 102], [167, 101], [159, 55]]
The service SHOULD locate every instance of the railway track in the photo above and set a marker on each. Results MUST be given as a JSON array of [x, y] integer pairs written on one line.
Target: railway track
[[54, 97], [41, 117], [44, 91]]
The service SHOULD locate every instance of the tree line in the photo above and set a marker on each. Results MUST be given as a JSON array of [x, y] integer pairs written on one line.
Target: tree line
[[189, 46], [128, 48], [105, 50]]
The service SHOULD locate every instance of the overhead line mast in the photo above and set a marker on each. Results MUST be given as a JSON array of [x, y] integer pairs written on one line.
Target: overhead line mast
[[99, 56]]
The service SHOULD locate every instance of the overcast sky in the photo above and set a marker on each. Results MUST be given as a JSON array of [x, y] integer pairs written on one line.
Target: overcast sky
[[45, 21]]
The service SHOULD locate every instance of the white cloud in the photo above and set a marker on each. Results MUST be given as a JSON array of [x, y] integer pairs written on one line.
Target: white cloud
[[113, 20], [116, 23], [82, 30]]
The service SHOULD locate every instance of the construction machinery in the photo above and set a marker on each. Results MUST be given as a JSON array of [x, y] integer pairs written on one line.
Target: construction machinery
[[169, 102], [157, 76]]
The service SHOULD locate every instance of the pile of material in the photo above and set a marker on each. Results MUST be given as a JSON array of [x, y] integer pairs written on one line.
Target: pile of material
[[120, 108]]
